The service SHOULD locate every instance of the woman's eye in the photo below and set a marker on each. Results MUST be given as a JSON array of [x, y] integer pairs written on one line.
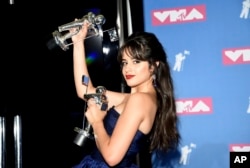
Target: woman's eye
[[137, 61], [123, 63]]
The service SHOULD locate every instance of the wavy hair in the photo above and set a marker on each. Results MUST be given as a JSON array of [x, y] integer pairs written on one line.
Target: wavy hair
[[145, 46]]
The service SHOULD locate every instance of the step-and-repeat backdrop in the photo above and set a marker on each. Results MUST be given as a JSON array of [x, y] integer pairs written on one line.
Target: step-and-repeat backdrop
[[208, 47]]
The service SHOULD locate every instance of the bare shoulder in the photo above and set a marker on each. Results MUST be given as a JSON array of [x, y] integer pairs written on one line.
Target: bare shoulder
[[143, 107], [144, 101], [140, 97]]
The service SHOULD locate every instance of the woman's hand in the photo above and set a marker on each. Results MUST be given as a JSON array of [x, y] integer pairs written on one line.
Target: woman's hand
[[94, 113], [81, 35]]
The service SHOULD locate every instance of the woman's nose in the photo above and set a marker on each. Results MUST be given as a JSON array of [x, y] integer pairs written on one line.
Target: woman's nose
[[127, 68]]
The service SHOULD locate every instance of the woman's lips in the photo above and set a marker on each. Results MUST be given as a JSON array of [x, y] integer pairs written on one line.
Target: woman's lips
[[129, 76]]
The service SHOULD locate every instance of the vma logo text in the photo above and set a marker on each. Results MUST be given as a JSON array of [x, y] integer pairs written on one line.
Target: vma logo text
[[194, 106], [236, 56], [179, 15]]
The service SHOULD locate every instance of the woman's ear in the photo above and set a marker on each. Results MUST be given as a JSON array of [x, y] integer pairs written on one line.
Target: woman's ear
[[152, 68], [157, 63]]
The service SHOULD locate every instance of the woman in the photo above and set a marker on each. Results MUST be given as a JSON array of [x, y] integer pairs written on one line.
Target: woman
[[145, 115]]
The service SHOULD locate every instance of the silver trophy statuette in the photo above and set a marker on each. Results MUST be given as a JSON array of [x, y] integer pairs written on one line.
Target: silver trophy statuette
[[87, 132], [60, 37]]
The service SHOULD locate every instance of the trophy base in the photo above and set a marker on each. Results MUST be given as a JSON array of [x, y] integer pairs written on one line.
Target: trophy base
[[82, 137]]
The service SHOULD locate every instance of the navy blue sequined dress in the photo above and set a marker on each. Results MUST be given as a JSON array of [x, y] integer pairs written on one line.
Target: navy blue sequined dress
[[95, 159]]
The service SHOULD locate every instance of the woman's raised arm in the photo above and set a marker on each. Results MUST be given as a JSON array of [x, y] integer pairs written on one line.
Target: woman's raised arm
[[79, 62]]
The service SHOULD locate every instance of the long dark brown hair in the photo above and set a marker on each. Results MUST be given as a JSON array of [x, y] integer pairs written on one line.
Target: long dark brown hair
[[145, 46]]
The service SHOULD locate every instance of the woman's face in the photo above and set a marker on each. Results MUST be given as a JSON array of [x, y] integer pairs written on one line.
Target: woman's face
[[135, 72]]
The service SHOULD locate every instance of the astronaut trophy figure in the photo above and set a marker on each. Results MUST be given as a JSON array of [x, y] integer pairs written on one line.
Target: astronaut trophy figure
[[87, 132], [95, 28]]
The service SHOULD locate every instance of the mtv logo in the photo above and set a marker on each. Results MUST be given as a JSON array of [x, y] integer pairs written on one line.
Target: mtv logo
[[240, 147], [194, 106], [236, 56], [179, 15]]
